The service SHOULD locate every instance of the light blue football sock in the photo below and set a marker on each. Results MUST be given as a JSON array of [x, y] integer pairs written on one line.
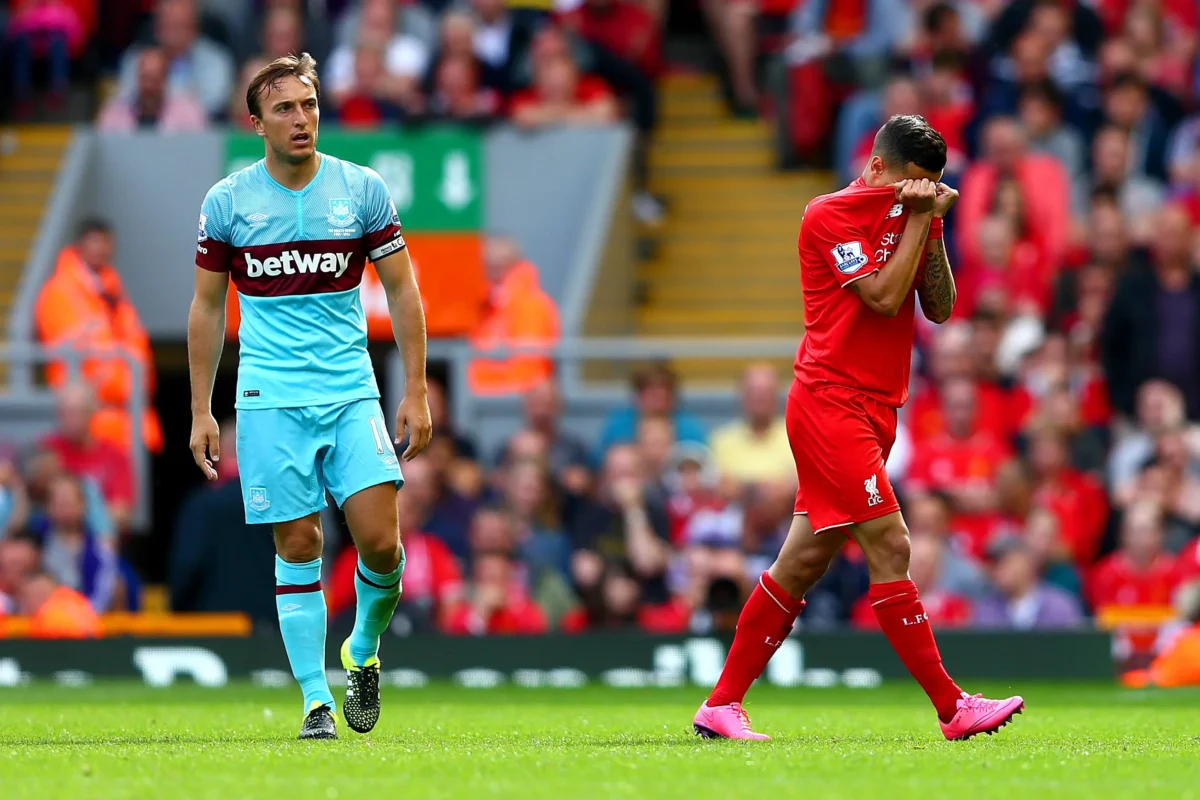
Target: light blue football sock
[[376, 597], [302, 620]]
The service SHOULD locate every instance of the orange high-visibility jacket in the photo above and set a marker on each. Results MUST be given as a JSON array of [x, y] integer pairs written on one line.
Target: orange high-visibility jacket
[[79, 306], [66, 614], [520, 314]]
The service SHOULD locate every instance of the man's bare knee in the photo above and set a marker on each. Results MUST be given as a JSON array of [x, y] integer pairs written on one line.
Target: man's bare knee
[[299, 541], [804, 558], [375, 527], [886, 546], [380, 551], [800, 572]]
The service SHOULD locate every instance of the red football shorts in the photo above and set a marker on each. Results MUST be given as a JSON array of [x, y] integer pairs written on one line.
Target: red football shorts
[[840, 440]]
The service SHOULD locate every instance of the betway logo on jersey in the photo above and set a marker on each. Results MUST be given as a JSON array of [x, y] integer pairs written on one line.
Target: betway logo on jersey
[[293, 262]]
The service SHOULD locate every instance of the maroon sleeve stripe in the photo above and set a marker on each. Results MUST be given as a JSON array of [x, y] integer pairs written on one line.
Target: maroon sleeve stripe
[[214, 256], [387, 233]]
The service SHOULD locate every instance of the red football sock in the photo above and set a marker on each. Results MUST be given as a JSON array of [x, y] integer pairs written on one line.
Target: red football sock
[[904, 622], [764, 623]]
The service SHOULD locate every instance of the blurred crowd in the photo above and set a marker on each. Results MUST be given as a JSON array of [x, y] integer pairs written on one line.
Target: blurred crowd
[[182, 65], [1049, 459], [65, 507]]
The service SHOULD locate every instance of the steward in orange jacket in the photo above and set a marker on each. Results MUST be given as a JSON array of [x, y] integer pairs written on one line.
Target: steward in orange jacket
[[518, 313], [84, 304]]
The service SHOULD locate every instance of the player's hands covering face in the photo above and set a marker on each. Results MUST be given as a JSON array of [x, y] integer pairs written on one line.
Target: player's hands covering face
[[413, 417], [944, 200], [917, 195]]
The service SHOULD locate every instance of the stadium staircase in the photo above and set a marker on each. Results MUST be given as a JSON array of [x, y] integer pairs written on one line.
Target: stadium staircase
[[725, 262], [29, 161]]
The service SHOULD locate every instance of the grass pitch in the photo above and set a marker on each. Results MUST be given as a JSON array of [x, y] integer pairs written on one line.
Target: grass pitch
[[125, 741]]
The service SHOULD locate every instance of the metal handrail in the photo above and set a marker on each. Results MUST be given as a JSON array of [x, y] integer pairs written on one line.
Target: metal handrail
[[458, 353], [26, 355]]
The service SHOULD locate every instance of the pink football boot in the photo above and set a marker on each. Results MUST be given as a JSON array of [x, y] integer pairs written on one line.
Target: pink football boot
[[725, 722], [977, 714]]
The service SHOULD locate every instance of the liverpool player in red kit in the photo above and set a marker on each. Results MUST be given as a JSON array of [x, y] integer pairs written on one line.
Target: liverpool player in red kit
[[863, 252]]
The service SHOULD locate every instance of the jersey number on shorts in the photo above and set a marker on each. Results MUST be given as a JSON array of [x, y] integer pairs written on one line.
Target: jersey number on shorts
[[375, 432], [383, 447]]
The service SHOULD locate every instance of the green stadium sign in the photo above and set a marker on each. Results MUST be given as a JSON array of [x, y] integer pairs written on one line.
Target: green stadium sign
[[435, 175], [627, 660]]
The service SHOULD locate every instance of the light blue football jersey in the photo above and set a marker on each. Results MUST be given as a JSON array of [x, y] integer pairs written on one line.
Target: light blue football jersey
[[297, 259]]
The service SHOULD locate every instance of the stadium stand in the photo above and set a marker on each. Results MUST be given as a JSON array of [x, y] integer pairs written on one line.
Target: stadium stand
[[1048, 457]]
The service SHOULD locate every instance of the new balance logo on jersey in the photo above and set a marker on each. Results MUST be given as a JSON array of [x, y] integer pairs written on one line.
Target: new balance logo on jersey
[[895, 211], [291, 262], [871, 484]]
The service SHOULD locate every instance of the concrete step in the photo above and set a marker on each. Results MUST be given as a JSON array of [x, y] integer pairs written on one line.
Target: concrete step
[[44, 160], [700, 158], [725, 131], [19, 212], [723, 316], [25, 189], [704, 295], [26, 135]]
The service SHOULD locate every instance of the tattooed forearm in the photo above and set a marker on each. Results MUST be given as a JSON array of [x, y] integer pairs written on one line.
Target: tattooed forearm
[[937, 290]]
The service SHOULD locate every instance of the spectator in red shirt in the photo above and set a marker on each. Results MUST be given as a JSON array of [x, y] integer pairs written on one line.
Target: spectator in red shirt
[[84, 457], [962, 462], [623, 29], [1055, 368], [560, 96], [954, 355], [497, 603], [1009, 276], [1044, 188], [1141, 572], [457, 94], [1075, 498], [945, 609]]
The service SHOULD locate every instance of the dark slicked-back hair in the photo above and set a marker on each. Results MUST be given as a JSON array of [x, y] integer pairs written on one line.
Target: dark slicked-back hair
[[89, 225], [908, 139], [301, 66]]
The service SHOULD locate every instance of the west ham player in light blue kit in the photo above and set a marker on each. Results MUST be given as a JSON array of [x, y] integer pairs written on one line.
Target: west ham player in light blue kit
[[294, 232]]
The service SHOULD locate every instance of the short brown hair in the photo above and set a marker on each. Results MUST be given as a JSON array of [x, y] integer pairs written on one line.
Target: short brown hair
[[301, 66], [655, 374]]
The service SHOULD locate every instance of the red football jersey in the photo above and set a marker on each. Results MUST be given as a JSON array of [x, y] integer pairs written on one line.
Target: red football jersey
[[944, 462], [846, 236], [1117, 581]]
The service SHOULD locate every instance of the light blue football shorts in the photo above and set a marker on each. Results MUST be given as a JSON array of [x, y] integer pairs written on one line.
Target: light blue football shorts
[[288, 457]]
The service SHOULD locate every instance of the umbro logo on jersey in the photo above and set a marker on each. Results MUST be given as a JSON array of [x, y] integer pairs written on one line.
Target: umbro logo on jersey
[[895, 211], [256, 219], [292, 262]]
